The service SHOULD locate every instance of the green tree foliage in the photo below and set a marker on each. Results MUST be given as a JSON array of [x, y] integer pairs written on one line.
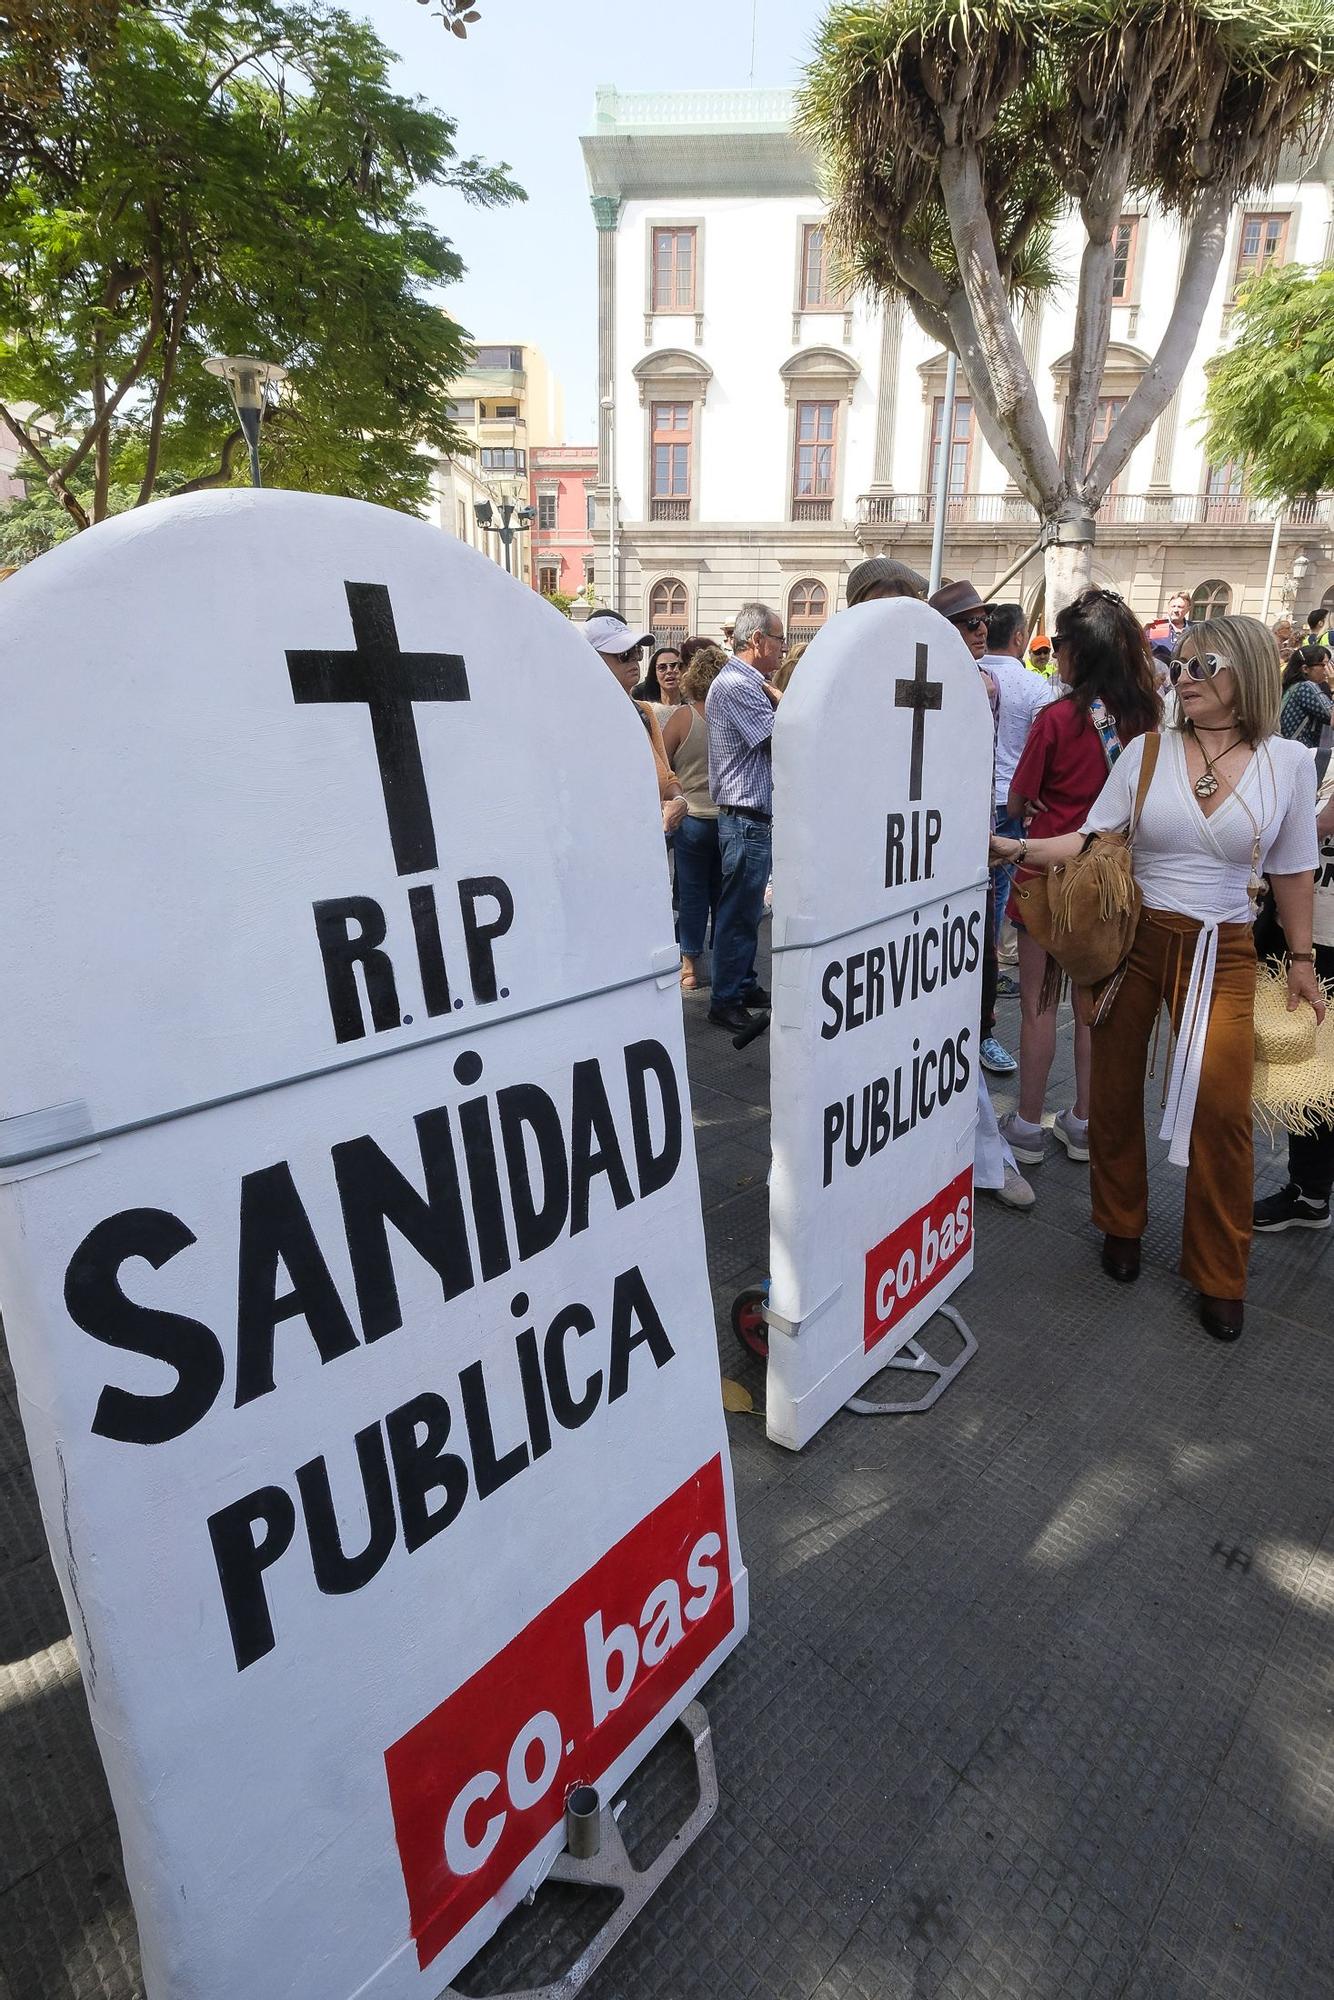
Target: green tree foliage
[[231, 176], [31, 526], [1271, 396]]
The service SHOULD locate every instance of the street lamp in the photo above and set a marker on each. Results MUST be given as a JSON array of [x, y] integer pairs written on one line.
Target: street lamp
[[248, 380], [513, 521]]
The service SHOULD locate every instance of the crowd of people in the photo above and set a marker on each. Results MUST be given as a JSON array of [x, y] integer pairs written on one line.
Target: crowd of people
[[1233, 810]]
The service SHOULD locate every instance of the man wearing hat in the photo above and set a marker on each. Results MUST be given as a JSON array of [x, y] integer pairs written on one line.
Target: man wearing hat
[[1039, 655], [882, 576], [619, 645], [960, 603]]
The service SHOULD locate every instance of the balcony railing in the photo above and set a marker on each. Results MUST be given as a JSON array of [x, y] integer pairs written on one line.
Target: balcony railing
[[885, 510], [1184, 510], [676, 108], [660, 509], [812, 510]]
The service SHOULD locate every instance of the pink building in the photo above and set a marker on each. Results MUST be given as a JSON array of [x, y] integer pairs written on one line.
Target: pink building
[[562, 479]]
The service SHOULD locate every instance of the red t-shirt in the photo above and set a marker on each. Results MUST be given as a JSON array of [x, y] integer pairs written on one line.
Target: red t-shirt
[[1063, 764]]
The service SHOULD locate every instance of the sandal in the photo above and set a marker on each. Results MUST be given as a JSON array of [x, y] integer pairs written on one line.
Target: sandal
[[689, 983]]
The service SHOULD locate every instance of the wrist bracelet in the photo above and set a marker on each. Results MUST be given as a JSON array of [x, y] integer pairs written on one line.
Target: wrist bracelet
[[1302, 957]]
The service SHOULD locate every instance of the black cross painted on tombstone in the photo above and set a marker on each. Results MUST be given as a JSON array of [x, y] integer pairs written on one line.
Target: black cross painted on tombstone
[[389, 682], [918, 694]]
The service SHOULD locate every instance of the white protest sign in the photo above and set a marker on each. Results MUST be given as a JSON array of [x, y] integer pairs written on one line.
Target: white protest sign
[[882, 803], [350, 1244]]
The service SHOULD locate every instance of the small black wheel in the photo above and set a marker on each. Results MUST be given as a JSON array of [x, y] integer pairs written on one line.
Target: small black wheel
[[748, 1321]]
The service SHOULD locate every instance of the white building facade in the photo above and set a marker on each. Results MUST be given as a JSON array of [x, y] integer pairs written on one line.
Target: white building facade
[[763, 433]]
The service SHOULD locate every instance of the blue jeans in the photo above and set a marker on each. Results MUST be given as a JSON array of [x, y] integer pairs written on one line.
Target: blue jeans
[[746, 850], [1002, 877], [699, 874]]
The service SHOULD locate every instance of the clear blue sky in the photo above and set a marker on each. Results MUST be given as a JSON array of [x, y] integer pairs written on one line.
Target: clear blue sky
[[521, 88]]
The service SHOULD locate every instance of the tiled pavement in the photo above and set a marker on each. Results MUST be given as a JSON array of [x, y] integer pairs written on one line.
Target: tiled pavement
[[1039, 1694]]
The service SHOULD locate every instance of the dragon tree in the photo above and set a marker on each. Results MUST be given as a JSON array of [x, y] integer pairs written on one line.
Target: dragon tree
[[954, 133]]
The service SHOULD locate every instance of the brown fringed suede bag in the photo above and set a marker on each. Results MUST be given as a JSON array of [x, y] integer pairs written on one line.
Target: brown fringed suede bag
[[1083, 912]]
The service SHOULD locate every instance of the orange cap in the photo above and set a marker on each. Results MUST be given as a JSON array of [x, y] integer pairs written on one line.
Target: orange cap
[[1039, 639]]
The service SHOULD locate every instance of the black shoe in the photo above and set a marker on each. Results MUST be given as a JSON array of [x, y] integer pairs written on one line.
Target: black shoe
[[1120, 1258], [756, 996], [1223, 1318], [734, 1017], [1291, 1209]]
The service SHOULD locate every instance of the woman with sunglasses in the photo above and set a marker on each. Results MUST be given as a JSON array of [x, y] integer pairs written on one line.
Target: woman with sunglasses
[[661, 685], [1228, 801], [1109, 699]]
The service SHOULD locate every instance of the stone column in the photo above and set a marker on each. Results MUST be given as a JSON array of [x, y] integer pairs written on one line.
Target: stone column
[[1158, 502], [606, 215], [1164, 440], [887, 397], [1164, 444]]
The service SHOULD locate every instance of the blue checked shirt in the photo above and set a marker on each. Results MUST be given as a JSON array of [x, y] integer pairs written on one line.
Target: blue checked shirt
[[740, 717]]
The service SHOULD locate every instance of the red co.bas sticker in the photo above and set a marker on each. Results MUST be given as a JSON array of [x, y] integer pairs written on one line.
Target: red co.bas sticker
[[911, 1262], [480, 1781]]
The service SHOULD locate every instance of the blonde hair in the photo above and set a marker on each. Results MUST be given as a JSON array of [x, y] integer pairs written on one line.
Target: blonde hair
[[706, 663], [1251, 651], [788, 668]]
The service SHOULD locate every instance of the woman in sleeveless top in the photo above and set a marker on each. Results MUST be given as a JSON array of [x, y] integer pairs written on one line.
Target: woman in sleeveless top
[[1228, 801], [698, 861]]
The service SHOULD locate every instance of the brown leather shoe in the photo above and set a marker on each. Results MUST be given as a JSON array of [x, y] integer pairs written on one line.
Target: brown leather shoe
[[1223, 1318], [1120, 1258]]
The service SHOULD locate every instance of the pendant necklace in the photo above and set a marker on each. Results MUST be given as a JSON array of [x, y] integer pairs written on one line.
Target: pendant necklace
[[1207, 784], [1254, 886]]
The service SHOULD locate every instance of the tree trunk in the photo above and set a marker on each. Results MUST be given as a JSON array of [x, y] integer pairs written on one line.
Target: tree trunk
[[1067, 564]]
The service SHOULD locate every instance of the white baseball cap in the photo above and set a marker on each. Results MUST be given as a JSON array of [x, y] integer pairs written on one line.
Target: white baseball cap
[[606, 634]]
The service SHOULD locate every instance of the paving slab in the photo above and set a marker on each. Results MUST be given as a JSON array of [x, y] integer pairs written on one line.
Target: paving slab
[[983, 1911], [1038, 1697]]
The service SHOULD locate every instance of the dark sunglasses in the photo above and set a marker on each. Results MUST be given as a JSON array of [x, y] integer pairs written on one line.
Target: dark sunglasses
[[633, 654], [1196, 669], [977, 623]]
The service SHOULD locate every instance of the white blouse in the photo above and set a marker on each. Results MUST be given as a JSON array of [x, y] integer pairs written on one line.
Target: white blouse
[[1201, 868]]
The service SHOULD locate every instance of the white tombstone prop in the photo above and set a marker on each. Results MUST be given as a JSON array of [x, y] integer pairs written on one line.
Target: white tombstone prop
[[350, 1243], [882, 756]]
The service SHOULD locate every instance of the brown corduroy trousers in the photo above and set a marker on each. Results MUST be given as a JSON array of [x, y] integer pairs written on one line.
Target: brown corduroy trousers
[[1220, 1180]]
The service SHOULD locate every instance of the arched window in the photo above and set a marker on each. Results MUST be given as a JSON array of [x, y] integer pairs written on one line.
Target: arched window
[[807, 609], [667, 611], [1327, 601], [1212, 599]]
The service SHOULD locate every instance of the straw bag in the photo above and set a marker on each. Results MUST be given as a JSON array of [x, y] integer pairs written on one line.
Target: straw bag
[[1083, 912]]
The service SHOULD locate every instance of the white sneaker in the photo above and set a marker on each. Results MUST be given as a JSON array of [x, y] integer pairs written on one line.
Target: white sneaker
[[1027, 1142], [1016, 1193], [1073, 1134]]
